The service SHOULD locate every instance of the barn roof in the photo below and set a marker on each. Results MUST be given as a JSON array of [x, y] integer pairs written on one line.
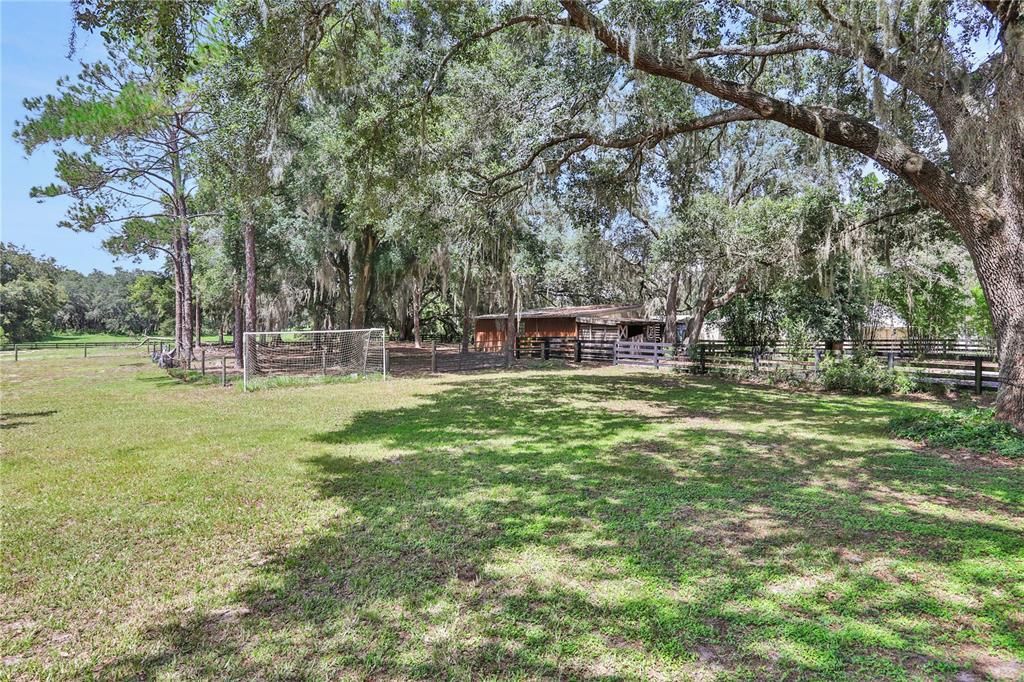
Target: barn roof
[[572, 311]]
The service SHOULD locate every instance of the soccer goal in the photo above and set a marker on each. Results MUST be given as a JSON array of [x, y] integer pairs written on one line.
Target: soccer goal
[[338, 352]]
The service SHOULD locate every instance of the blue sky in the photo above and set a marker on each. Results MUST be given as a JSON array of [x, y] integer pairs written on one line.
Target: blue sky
[[34, 55]]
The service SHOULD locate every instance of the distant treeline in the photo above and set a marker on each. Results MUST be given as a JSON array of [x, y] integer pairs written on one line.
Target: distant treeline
[[39, 297]]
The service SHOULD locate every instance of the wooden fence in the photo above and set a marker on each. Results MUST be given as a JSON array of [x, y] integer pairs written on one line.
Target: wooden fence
[[901, 348], [465, 362], [51, 345], [960, 370], [964, 364]]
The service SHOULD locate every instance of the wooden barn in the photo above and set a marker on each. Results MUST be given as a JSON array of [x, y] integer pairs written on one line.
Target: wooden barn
[[589, 322]]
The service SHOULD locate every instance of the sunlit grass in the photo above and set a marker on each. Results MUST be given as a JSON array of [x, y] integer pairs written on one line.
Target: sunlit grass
[[583, 524]]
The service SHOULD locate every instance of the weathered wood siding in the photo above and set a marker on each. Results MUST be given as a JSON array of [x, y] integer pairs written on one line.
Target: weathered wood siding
[[489, 334], [598, 332], [549, 326]]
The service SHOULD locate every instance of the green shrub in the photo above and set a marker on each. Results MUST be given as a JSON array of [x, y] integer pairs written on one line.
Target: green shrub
[[972, 428], [862, 372]]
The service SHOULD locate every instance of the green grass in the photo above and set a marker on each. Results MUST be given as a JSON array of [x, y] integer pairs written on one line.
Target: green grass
[[88, 337], [597, 524], [971, 428]]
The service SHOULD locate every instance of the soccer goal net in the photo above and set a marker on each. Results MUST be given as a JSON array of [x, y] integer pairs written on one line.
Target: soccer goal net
[[339, 352]]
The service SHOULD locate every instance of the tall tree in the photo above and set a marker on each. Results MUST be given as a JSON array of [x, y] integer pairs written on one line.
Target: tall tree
[[133, 176]]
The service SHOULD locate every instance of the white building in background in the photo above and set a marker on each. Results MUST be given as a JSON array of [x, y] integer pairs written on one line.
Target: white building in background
[[884, 324]]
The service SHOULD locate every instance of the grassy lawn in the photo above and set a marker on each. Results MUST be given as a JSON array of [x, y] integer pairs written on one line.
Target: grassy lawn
[[597, 524], [86, 337]]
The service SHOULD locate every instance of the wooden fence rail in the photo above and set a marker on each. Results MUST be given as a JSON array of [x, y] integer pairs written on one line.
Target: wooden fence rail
[[977, 373], [51, 345]]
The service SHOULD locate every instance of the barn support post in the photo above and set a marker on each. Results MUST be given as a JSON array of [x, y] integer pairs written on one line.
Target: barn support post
[[579, 351], [978, 385]]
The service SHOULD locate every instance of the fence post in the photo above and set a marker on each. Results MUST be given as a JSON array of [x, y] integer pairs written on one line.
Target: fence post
[[977, 376], [223, 370], [757, 362], [202, 360], [433, 357], [703, 368], [15, 352], [657, 353], [85, 351], [817, 360], [545, 352], [615, 352], [892, 360], [579, 351]]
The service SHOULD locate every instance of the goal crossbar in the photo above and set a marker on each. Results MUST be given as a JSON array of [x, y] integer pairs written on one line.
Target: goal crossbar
[[335, 352]]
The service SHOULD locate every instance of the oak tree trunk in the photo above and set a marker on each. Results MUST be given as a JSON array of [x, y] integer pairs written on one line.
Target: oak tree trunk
[[999, 263], [467, 308], [417, 303], [511, 323], [362, 264], [672, 308], [696, 324]]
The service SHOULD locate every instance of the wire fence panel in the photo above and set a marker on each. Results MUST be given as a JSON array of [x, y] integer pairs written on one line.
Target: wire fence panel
[[339, 352]]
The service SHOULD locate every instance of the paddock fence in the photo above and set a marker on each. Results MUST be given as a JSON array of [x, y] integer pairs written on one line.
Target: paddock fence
[[949, 362], [57, 345], [953, 362]]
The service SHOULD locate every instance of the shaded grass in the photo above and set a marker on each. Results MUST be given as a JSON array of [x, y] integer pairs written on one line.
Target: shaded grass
[[581, 524], [972, 428]]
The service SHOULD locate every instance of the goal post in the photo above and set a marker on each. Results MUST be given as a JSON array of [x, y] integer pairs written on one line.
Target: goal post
[[335, 352]]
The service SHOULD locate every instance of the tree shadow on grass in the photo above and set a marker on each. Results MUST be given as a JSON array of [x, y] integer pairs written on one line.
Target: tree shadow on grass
[[635, 526], [12, 420]]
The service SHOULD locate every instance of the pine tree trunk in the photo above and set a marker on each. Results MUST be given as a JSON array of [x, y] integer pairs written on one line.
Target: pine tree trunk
[[178, 326], [199, 319], [238, 330], [187, 331], [180, 212]]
